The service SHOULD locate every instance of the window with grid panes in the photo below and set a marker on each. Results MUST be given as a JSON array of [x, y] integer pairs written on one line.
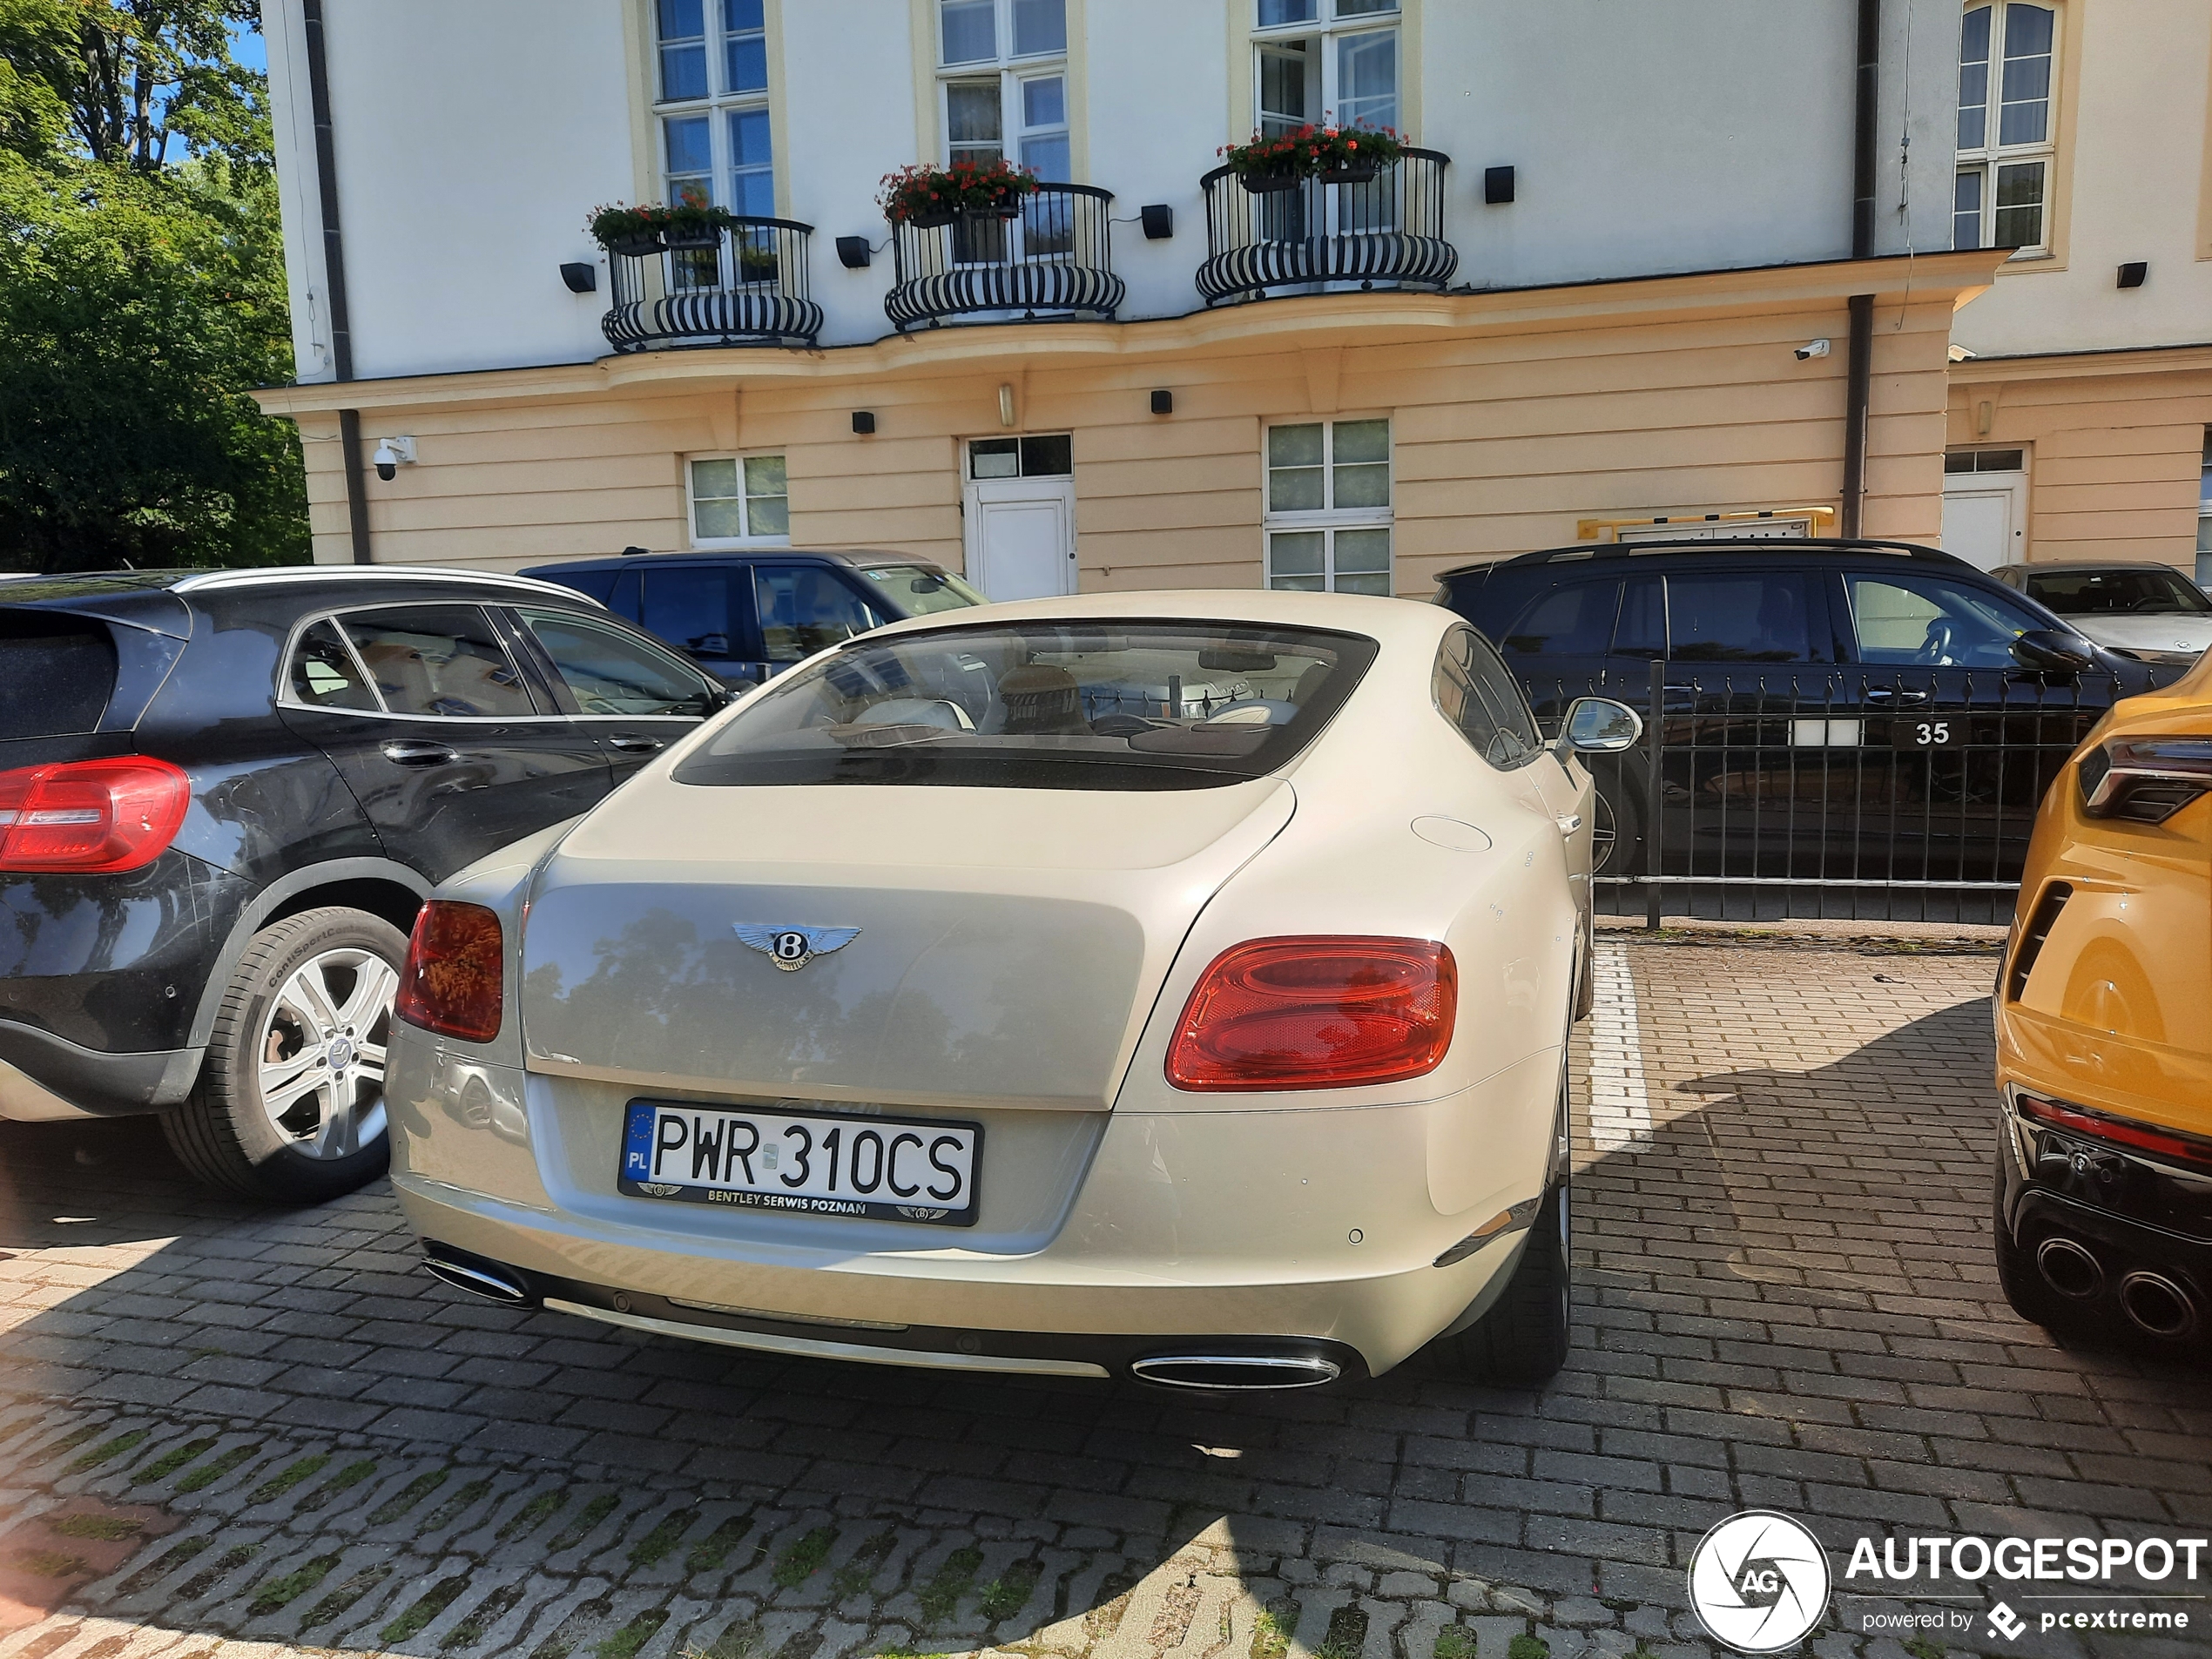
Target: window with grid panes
[[2007, 126], [739, 498], [1003, 73], [1327, 522], [713, 104], [1323, 61]]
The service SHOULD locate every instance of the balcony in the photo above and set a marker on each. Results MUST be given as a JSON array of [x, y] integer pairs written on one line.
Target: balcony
[[743, 286], [1312, 236], [1052, 258]]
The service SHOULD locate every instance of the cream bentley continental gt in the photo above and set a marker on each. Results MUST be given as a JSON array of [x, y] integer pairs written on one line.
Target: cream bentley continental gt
[[1173, 986]]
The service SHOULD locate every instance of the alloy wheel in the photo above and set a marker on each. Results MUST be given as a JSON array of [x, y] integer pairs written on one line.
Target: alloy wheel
[[322, 1052]]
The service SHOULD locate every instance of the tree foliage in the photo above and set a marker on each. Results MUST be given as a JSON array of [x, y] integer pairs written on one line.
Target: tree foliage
[[141, 293]]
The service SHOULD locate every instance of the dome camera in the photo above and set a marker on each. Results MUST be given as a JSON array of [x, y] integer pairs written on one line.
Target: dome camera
[[391, 455]]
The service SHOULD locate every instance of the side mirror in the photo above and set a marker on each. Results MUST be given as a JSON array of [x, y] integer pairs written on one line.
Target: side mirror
[[2049, 651], [1599, 726]]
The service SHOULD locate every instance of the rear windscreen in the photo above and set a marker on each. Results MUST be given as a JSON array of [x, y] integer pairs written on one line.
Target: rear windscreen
[[57, 673], [1118, 706]]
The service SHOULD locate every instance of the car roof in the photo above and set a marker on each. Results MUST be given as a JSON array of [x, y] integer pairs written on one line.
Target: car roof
[[1404, 622], [93, 584], [2076, 567], [1829, 545], [859, 557]]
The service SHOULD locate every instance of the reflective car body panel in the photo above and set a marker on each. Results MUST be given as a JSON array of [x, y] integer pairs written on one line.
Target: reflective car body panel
[[1023, 958]]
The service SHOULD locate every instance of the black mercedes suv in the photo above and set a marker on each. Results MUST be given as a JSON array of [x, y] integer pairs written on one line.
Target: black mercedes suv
[[223, 797]]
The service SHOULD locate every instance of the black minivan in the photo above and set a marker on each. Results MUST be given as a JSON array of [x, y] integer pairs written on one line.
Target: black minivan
[[745, 616], [224, 795], [1872, 710]]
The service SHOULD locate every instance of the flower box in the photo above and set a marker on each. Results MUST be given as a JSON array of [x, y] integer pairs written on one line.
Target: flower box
[[928, 197], [636, 247], [1348, 175], [1267, 183], [1335, 155], [640, 230]]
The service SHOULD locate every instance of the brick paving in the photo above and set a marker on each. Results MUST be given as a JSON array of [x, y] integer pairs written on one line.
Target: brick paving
[[224, 1432]]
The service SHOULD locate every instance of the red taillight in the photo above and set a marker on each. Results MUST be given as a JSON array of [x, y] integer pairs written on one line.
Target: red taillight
[[91, 816], [2162, 1143], [1316, 1013], [450, 984]]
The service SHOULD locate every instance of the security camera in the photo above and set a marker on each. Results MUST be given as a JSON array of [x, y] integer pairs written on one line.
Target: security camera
[[391, 455], [1812, 348]]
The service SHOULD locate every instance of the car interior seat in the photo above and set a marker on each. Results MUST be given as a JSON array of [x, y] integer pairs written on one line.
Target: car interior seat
[[1043, 700]]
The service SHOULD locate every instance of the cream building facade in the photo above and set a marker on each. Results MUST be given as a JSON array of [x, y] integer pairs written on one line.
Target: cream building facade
[[1589, 299], [2079, 424]]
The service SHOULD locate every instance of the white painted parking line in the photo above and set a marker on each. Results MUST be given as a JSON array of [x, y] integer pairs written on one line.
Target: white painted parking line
[[1620, 1106]]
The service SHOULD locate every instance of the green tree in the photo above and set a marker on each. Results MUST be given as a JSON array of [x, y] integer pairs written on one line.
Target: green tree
[[141, 293]]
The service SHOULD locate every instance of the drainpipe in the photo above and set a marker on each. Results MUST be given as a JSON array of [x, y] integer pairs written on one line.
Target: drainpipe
[[333, 262], [1859, 376]]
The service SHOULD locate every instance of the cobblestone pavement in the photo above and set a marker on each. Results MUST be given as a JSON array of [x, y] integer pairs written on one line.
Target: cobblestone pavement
[[223, 1431]]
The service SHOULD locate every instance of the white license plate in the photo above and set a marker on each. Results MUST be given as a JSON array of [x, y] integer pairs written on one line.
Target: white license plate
[[883, 1169]]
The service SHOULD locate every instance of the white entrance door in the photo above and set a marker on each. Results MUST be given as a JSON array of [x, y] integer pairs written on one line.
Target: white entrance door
[[1985, 517], [1022, 537]]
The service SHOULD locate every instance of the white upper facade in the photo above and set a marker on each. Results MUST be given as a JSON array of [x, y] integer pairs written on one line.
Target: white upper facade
[[2109, 154], [472, 141]]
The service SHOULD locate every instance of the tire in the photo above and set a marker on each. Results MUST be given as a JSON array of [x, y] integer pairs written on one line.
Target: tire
[[1523, 1339], [310, 988]]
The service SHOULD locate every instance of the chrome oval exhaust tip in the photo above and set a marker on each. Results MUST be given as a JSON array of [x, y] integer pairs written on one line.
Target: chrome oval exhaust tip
[[2069, 1269], [2155, 1303], [1237, 1372], [481, 1278]]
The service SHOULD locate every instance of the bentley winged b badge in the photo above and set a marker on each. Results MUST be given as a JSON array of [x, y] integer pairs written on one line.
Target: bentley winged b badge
[[792, 948]]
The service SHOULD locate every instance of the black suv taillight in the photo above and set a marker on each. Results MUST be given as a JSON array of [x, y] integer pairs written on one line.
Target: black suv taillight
[[2144, 779]]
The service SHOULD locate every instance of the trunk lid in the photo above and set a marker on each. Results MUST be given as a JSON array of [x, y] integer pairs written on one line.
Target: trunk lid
[[1010, 941]]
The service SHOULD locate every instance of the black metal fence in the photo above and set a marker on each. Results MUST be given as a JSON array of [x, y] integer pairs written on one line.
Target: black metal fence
[[1050, 255], [1862, 793], [1386, 231], [747, 287]]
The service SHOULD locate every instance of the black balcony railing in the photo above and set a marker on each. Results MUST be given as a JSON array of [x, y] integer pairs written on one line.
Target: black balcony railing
[[1386, 232], [743, 286], [1052, 259]]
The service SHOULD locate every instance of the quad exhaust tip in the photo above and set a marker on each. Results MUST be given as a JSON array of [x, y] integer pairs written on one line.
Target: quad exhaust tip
[[1237, 1372], [474, 1274], [2069, 1269], [2155, 1304]]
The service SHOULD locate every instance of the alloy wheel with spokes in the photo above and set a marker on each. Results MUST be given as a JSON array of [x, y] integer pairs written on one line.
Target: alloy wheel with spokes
[[321, 1073]]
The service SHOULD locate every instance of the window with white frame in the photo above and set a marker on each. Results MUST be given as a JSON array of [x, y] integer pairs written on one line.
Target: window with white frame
[[739, 498], [1317, 61], [2007, 126], [2204, 517], [713, 104], [1003, 77], [1327, 522]]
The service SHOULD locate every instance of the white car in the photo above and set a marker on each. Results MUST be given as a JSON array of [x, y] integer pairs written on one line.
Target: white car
[[972, 995], [2150, 611]]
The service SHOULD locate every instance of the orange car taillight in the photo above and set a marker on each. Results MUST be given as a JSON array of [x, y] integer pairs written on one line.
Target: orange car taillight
[[2145, 779], [451, 982], [91, 816], [1326, 1012], [2176, 1145]]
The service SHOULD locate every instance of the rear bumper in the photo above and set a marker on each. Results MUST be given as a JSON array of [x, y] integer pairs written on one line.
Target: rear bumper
[[44, 1077], [978, 1321]]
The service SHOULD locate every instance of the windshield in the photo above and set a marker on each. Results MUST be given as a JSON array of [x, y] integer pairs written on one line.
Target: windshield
[[1107, 706], [2118, 593], [919, 592]]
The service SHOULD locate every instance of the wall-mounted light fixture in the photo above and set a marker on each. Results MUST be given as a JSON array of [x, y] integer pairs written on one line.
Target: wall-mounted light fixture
[[580, 276], [1164, 402], [864, 421], [1497, 185], [853, 252], [2132, 272], [1159, 221], [391, 455], [1006, 403]]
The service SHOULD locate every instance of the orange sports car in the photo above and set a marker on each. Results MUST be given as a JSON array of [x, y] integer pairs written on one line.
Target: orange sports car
[[2104, 1033]]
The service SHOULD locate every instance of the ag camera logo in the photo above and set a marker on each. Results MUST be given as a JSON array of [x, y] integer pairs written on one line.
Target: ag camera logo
[[1759, 1581]]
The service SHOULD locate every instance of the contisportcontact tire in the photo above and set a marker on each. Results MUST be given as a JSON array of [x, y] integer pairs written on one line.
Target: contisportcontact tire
[[289, 1107]]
